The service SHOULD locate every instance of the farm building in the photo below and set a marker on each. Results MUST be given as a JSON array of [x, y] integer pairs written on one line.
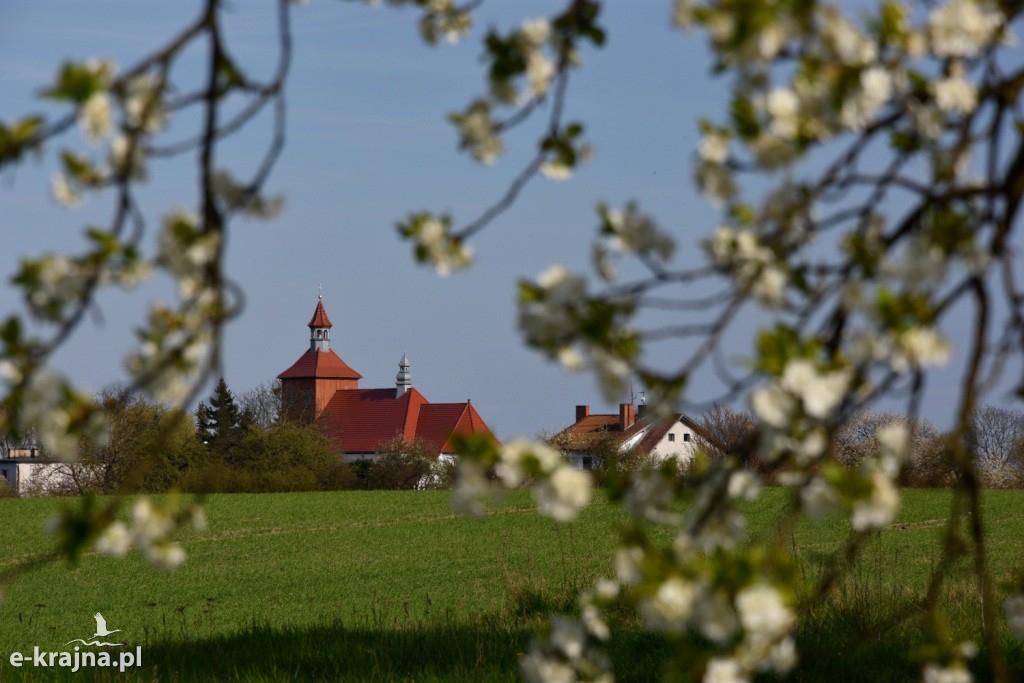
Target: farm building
[[629, 430], [321, 387]]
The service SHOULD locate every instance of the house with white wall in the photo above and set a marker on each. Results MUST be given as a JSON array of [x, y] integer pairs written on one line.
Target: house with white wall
[[28, 472], [629, 430]]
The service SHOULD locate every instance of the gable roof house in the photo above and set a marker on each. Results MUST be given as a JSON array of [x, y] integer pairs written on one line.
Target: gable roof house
[[321, 387], [629, 430]]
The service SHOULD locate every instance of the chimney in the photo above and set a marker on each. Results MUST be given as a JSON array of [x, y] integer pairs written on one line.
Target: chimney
[[627, 415], [582, 412], [641, 411]]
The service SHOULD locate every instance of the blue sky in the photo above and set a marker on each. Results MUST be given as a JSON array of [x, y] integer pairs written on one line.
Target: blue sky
[[367, 143]]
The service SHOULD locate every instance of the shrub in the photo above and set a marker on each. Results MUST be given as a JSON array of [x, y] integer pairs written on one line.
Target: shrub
[[276, 458], [401, 465]]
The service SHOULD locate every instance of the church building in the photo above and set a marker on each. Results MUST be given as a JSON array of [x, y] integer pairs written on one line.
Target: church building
[[321, 387]]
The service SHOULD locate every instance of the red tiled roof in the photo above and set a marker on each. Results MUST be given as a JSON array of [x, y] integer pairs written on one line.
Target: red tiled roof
[[594, 426], [439, 422], [360, 420], [319, 363], [655, 432], [320, 318]]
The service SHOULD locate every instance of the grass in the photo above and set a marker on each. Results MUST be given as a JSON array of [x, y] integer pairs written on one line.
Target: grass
[[390, 585]]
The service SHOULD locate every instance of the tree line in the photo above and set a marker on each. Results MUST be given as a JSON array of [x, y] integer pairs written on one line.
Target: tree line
[[994, 441], [228, 444]]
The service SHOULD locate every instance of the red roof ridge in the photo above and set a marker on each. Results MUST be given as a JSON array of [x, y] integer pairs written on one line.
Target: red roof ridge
[[317, 363]]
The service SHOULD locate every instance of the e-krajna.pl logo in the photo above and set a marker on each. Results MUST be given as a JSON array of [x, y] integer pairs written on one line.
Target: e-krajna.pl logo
[[79, 658]]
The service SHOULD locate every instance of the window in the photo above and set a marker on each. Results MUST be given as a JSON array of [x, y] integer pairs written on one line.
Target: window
[[5, 474], [588, 462], [671, 437], [319, 334], [686, 436]]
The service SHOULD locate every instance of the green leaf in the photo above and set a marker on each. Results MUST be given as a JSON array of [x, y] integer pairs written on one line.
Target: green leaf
[[76, 83]]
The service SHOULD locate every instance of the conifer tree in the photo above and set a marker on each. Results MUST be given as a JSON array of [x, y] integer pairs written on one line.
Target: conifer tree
[[220, 423], [204, 424]]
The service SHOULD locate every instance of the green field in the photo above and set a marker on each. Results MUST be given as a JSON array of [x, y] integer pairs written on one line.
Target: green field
[[391, 585]]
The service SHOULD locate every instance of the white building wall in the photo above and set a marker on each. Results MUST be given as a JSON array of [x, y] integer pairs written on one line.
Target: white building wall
[[678, 442], [34, 478]]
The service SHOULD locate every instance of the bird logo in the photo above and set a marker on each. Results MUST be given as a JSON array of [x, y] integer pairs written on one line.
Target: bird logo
[[101, 632]]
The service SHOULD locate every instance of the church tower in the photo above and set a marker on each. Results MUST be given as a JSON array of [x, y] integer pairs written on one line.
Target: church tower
[[311, 381]]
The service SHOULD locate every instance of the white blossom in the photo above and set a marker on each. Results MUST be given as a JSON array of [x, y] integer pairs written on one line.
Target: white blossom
[[956, 673], [536, 31], [960, 28], [1014, 608], [783, 106], [62, 191], [744, 484], [612, 375], [10, 372], [724, 670], [165, 555], [714, 147], [669, 609], [149, 525], [562, 495], [143, 105], [879, 508], [920, 347], [479, 133], [556, 169], [773, 405], [846, 42], [470, 489], [875, 90], [128, 158], [820, 393], [635, 232], [716, 618], [715, 181], [627, 564], [439, 248], [782, 657], [818, 499], [762, 611], [770, 285], [95, 116], [569, 636], [773, 151], [955, 94], [44, 411], [115, 540], [539, 72], [537, 667]]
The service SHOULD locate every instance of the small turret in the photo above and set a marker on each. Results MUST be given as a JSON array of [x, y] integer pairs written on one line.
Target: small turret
[[320, 328], [404, 377]]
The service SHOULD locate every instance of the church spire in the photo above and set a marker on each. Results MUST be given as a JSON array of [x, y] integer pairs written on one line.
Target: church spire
[[404, 377], [320, 328]]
